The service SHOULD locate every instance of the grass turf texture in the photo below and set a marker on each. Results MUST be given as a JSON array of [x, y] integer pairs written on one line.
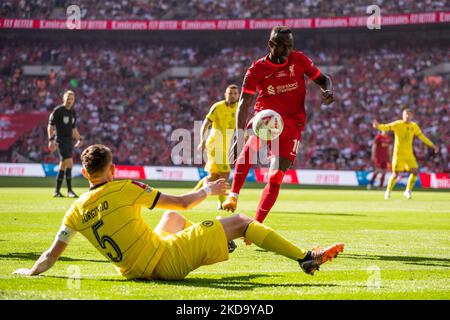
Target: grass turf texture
[[397, 249]]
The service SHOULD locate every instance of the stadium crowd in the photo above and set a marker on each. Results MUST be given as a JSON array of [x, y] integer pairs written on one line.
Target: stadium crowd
[[209, 9], [120, 102]]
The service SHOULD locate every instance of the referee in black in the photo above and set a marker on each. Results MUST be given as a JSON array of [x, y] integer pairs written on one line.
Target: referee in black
[[61, 131]]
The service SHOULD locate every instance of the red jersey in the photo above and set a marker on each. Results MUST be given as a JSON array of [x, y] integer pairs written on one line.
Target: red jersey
[[281, 87], [382, 144]]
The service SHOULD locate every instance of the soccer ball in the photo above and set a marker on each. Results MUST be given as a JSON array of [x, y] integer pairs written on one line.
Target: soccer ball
[[267, 124]]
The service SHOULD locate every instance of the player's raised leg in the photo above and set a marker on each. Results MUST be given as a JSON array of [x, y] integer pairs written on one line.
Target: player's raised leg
[[264, 237], [278, 167], [172, 222], [243, 165]]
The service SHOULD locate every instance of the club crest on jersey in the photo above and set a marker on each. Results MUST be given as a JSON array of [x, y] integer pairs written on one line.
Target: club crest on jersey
[[291, 70], [66, 120], [208, 223], [271, 90]]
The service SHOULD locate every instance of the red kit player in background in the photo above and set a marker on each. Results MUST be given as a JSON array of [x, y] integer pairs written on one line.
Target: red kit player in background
[[278, 78], [381, 150]]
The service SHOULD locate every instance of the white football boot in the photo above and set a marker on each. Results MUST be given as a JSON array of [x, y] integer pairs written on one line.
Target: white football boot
[[407, 194]]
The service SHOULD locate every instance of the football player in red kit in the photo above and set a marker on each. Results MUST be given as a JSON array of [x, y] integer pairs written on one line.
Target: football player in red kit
[[278, 79], [380, 156]]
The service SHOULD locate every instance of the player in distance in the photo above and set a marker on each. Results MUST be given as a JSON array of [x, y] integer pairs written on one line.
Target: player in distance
[[381, 146], [222, 118], [403, 158]]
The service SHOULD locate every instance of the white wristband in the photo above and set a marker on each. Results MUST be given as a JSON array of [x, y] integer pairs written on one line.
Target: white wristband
[[207, 190]]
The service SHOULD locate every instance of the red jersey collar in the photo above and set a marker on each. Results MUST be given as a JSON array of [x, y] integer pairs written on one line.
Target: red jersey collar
[[270, 63]]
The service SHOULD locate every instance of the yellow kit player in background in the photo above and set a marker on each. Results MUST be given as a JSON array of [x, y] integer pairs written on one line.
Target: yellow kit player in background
[[403, 158], [109, 216], [222, 118]]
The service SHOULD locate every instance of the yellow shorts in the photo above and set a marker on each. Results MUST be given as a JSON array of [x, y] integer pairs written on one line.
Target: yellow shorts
[[403, 164], [201, 244], [217, 160]]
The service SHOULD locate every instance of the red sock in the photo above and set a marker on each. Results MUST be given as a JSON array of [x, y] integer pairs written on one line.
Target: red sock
[[243, 164], [382, 179], [374, 176], [240, 174], [268, 198], [270, 194]]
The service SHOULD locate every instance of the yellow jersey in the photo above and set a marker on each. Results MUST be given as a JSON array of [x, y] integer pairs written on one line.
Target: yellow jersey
[[109, 216], [404, 133], [223, 117]]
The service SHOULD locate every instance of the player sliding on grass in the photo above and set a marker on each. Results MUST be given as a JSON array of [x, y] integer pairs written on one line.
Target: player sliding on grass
[[279, 80], [403, 158], [109, 216]]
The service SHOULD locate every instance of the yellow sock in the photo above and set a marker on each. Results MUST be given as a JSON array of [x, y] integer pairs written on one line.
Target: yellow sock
[[200, 184], [222, 198], [391, 183], [268, 239], [411, 181]]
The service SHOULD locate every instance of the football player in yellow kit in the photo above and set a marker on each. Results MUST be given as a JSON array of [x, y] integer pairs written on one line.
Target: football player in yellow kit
[[222, 118], [403, 158], [109, 216]]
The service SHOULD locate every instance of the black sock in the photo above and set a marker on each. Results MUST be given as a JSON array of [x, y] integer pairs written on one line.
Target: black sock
[[69, 179], [59, 180]]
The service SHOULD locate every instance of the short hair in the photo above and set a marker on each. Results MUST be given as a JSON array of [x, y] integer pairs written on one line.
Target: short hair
[[68, 92], [406, 108], [279, 30], [232, 86], [95, 158]]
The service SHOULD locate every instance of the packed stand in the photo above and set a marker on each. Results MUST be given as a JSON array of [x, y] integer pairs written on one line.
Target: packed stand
[[120, 103], [209, 9]]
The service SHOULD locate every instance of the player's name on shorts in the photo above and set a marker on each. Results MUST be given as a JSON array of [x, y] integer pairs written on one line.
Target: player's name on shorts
[[93, 212]]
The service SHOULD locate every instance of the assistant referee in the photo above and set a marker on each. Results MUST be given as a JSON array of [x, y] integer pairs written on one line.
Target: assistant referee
[[61, 131]]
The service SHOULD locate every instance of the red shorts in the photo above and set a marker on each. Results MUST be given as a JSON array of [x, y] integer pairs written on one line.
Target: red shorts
[[287, 144], [380, 164]]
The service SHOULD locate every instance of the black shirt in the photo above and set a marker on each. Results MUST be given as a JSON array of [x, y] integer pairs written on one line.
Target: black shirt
[[64, 120]]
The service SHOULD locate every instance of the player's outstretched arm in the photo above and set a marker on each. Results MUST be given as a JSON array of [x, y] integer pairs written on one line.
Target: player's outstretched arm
[[384, 127], [191, 199], [45, 261], [427, 141], [326, 85], [205, 126]]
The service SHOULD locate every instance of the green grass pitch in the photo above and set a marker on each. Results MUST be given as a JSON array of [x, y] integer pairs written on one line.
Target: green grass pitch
[[397, 249]]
